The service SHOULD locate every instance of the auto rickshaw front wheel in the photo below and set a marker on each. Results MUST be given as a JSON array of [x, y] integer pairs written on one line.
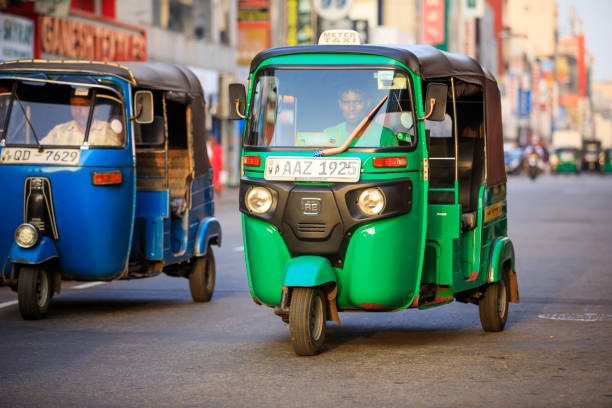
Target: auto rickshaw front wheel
[[307, 317], [493, 306], [33, 292], [202, 277]]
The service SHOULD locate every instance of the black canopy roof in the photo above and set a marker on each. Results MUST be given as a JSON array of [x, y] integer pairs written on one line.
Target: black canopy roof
[[154, 75], [424, 60]]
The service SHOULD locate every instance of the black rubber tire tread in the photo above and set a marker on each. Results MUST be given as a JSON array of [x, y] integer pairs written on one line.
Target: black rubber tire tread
[[202, 277], [26, 293], [299, 321], [488, 306]]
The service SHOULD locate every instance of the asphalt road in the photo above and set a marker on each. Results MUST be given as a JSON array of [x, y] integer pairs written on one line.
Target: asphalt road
[[145, 343]]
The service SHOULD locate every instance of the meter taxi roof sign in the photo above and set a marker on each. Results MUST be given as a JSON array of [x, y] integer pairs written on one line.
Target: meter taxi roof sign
[[339, 37]]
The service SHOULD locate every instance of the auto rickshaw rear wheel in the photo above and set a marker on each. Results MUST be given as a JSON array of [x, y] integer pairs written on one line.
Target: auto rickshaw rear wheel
[[33, 292], [493, 305], [307, 317], [202, 277]]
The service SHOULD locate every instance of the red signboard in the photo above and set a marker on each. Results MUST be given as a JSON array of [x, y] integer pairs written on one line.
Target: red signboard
[[432, 22], [253, 29], [77, 39]]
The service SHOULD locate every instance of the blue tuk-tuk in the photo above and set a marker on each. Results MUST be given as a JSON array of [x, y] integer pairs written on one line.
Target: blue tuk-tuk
[[105, 176]]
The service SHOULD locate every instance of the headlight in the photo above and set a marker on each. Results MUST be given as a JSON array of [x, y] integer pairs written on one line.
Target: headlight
[[258, 200], [371, 201], [26, 235]]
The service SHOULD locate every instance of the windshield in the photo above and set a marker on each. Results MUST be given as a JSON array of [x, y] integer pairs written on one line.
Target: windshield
[[321, 107], [60, 115]]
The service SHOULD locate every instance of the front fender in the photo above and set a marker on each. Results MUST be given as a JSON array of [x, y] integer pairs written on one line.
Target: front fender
[[308, 271], [38, 254], [502, 251], [209, 231]]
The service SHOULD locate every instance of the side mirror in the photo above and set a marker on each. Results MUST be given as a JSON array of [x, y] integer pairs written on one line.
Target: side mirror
[[143, 107], [435, 102], [237, 100]]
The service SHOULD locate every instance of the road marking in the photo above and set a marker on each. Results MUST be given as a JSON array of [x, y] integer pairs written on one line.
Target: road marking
[[88, 285], [576, 317], [238, 249], [7, 304]]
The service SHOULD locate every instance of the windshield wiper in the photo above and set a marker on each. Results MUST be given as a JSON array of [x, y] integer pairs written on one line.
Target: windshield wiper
[[25, 115], [355, 133]]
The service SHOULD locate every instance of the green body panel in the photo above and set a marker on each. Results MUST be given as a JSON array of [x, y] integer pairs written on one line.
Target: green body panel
[[382, 268], [467, 275], [607, 167], [495, 228], [503, 251], [308, 271], [567, 167], [331, 59], [461, 260], [442, 256], [266, 256]]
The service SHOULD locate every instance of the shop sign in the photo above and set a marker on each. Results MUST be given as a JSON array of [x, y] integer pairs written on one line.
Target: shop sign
[[70, 38], [433, 21], [16, 37], [253, 29]]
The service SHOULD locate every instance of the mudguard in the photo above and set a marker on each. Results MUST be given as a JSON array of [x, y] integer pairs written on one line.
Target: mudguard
[[209, 231], [38, 254], [308, 271], [502, 251]]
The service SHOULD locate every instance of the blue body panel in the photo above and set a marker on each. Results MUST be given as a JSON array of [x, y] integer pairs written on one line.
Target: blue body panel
[[161, 236], [94, 223], [40, 253]]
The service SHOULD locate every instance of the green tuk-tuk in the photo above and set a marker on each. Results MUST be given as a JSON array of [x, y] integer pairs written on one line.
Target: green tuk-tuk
[[566, 160], [607, 167], [372, 180]]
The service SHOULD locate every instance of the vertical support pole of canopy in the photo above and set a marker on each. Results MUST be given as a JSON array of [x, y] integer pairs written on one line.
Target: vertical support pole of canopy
[[456, 135]]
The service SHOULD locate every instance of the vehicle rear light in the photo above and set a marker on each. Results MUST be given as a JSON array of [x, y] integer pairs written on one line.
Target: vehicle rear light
[[251, 161], [105, 178], [390, 162]]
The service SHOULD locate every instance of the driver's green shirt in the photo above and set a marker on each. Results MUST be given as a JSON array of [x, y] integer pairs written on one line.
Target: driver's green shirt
[[374, 136]]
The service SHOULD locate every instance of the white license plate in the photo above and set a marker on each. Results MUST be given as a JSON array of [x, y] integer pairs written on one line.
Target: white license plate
[[312, 169], [11, 155]]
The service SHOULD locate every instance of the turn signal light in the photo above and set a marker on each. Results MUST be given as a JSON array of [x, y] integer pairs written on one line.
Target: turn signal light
[[106, 178], [390, 162], [251, 161]]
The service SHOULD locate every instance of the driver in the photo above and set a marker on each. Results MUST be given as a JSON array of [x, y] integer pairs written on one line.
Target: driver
[[72, 133], [355, 105]]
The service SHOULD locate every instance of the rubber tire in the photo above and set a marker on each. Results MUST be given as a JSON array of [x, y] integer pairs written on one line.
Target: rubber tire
[[493, 306], [202, 277], [303, 316], [33, 297]]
